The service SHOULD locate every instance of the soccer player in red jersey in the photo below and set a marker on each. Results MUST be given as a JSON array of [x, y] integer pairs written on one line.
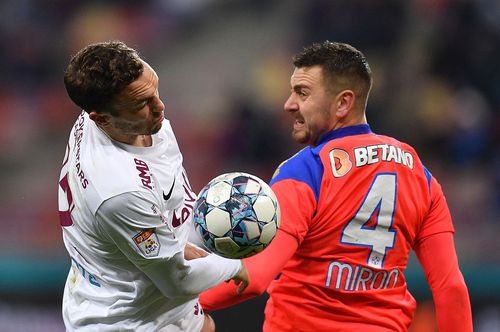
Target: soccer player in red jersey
[[354, 204]]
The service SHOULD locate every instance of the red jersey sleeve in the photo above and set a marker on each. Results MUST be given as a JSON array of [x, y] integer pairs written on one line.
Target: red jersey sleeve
[[297, 206], [437, 256], [435, 250], [438, 219]]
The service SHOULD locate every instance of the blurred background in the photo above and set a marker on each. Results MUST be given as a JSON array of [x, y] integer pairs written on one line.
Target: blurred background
[[224, 69]]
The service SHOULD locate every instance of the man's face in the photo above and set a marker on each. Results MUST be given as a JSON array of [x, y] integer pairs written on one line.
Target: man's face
[[138, 108], [309, 104]]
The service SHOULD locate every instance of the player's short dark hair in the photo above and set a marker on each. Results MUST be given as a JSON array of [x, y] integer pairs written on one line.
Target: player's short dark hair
[[342, 65], [100, 71]]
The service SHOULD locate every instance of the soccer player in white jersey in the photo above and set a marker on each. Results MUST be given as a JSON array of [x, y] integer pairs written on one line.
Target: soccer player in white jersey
[[125, 205]]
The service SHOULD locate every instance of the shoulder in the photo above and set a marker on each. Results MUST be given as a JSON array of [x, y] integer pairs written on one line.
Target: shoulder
[[102, 169], [305, 167], [392, 149], [119, 173], [138, 209], [405, 149]]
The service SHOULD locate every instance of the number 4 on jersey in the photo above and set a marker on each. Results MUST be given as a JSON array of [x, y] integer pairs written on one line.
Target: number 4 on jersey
[[381, 202]]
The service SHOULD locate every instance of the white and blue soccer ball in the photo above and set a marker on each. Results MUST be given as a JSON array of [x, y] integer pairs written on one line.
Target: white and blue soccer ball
[[237, 215]]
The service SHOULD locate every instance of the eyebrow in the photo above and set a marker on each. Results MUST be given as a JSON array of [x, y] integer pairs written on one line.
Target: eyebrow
[[299, 86]]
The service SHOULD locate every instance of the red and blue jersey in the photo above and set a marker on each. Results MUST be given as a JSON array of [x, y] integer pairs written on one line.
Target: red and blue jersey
[[357, 203]]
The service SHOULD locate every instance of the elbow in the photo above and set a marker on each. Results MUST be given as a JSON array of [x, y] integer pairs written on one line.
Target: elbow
[[452, 286], [454, 293], [179, 286], [458, 286], [180, 291]]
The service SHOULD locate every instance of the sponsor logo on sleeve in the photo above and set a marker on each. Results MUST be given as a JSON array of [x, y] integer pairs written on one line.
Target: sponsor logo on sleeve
[[144, 173], [147, 242]]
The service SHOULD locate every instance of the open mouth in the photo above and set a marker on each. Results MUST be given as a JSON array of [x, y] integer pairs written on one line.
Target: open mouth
[[298, 123], [160, 119]]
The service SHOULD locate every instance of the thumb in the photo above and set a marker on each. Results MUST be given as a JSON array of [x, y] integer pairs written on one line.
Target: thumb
[[242, 287]]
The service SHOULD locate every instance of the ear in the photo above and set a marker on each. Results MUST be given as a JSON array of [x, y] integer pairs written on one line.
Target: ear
[[344, 103], [100, 119]]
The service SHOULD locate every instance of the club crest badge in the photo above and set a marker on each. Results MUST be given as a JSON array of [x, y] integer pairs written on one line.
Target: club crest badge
[[147, 242]]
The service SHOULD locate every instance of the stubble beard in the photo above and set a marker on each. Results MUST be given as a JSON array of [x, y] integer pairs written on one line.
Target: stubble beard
[[133, 129], [301, 136]]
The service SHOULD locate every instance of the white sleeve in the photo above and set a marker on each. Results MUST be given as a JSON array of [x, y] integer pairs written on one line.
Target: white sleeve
[[129, 218]]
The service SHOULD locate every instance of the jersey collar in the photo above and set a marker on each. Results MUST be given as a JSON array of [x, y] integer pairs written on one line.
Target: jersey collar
[[343, 132]]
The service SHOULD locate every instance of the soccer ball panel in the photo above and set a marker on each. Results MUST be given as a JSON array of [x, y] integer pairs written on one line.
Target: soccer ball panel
[[218, 193], [250, 251], [264, 208], [268, 232], [270, 193], [278, 216], [252, 187], [226, 246], [218, 222], [240, 207], [252, 229]]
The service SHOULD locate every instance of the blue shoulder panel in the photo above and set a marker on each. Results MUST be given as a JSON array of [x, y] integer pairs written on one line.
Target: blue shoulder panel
[[305, 166], [428, 175]]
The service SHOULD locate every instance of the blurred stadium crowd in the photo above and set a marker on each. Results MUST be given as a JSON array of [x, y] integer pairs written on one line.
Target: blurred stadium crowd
[[224, 69]]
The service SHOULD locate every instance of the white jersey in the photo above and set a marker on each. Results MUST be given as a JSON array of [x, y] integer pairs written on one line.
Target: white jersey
[[126, 214]]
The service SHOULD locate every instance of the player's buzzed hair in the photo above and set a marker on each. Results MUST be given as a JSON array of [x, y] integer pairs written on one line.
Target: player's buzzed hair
[[343, 66], [100, 71]]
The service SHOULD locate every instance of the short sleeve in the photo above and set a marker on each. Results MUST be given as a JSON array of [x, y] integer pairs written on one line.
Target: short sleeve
[[438, 219], [149, 244], [297, 205], [130, 221]]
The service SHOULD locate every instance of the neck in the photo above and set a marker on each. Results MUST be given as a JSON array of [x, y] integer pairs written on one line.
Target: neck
[[350, 121]]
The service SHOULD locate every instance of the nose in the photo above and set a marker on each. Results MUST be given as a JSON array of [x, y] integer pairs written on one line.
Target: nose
[[290, 105], [158, 105]]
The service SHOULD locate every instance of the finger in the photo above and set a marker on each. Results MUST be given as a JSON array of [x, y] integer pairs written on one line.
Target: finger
[[242, 287]]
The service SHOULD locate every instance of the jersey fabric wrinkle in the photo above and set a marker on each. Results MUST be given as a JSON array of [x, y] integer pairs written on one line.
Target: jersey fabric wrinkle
[[126, 242], [330, 280]]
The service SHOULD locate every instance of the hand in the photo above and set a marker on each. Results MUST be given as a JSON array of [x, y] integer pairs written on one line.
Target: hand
[[242, 279], [208, 324], [192, 252]]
